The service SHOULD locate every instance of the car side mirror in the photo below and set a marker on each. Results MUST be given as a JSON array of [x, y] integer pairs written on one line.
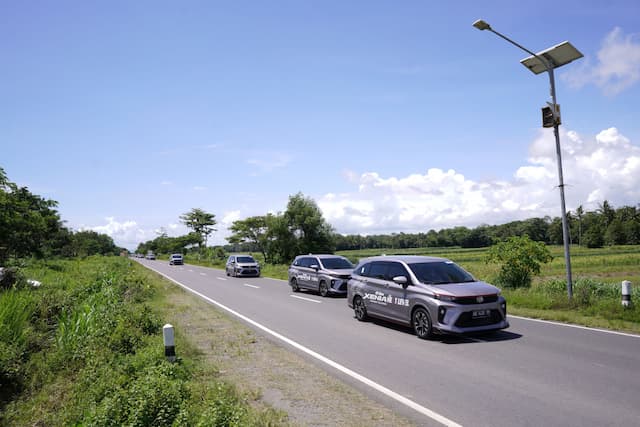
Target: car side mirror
[[316, 267], [401, 280]]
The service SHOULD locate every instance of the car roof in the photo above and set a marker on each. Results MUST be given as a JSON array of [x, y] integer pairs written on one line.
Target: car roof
[[408, 259], [321, 256]]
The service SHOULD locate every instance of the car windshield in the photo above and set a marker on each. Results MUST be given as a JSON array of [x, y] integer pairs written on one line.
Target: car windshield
[[245, 259], [440, 273], [176, 256], [337, 264]]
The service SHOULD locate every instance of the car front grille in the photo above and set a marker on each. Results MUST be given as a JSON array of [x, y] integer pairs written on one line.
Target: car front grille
[[474, 300]]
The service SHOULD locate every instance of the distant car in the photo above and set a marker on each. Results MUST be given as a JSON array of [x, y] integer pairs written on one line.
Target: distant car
[[428, 294], [326, 274], [242, 265], [176, 259], [150, 255]]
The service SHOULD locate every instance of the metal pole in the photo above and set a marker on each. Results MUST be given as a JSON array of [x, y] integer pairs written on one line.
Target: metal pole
[[565, 226]]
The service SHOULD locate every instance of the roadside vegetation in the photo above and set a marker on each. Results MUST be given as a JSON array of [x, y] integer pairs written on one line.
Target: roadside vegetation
[[85, 348]]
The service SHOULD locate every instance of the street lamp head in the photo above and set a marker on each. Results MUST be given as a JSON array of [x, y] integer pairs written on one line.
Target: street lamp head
[[481, 25]]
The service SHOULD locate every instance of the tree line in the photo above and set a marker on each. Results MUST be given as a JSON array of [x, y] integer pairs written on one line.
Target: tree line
[[31, 226], [603, 226], [301, 229]]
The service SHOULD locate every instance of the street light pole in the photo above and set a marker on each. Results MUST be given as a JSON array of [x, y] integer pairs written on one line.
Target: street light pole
[[546, 59]]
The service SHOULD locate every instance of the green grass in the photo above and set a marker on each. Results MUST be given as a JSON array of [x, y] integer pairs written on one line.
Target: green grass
[[86, 348]]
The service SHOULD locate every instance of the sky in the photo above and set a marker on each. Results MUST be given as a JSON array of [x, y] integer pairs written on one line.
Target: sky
[[394, 116]]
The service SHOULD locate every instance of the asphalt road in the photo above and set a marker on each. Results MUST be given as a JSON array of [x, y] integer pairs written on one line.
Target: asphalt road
[[532, 374]]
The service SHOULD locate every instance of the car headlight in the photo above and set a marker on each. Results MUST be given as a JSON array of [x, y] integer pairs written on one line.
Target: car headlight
[[447, 298]]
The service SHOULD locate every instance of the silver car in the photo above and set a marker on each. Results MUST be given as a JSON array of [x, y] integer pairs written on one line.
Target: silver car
[[427, 293], [326, 274], [242, 265]]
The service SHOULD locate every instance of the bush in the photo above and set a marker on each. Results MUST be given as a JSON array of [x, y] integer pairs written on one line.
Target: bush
[[519, 259]]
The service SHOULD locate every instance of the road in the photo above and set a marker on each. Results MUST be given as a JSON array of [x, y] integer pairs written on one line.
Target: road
[[534, 373]]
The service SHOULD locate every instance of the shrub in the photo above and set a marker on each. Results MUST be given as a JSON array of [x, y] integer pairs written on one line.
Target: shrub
[[519, 259]]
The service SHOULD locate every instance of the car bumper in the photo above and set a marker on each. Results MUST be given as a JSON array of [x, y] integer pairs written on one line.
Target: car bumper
[[248, 272], [458, 319]]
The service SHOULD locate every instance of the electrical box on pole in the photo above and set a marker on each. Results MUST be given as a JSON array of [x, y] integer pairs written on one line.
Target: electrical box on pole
[[550, 115]]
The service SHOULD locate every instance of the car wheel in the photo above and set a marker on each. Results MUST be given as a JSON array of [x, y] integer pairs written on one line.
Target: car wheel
[[294, 285], [227, 271], [359, 309], [323, 289], [421, 323]]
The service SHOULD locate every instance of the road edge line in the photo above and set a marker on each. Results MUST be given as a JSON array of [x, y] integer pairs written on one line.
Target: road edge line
[[571, 325]]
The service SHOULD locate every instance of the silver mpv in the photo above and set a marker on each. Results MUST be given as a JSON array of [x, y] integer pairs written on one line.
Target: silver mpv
[[427, 293]]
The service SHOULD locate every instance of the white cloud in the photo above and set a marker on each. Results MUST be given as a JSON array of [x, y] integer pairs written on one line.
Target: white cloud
[[606, 166], [617, 66], [199, 188], [230, 217], [125, 234]]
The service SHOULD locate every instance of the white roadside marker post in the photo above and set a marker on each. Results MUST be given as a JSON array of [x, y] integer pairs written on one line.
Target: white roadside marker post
[[626, 293], [169, 342]]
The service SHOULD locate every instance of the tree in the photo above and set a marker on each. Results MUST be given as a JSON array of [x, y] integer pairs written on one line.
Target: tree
[[313, 234], [579, 215], [615, 233], [251, 230], [519, 259], [88, 242], [28, 222], [200, 222], [281, 245], [477, 238], [607, 211]]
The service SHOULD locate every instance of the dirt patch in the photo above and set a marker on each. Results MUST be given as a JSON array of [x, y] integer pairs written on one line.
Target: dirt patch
[[271, 374]]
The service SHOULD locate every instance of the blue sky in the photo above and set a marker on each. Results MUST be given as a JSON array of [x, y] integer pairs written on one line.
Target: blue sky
[[392, 115]]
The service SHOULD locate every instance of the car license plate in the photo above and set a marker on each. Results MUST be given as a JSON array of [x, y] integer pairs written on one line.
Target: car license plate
[[480, 313]]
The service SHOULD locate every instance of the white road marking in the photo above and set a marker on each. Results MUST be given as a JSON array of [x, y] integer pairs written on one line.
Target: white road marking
[[378, 387], [569, 325], [306, 299], [190, 270], [251, 286], [221, 278], [203, 274]]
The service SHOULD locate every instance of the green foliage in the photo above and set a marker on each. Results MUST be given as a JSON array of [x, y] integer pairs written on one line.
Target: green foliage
[[16, 308], [594, 237], [252, 230], [201, 222], [87, 243], [519, 259], [27, 221]]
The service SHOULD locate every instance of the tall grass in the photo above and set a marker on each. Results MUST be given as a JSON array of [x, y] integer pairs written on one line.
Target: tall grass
[[15, 311], [86, 349]]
